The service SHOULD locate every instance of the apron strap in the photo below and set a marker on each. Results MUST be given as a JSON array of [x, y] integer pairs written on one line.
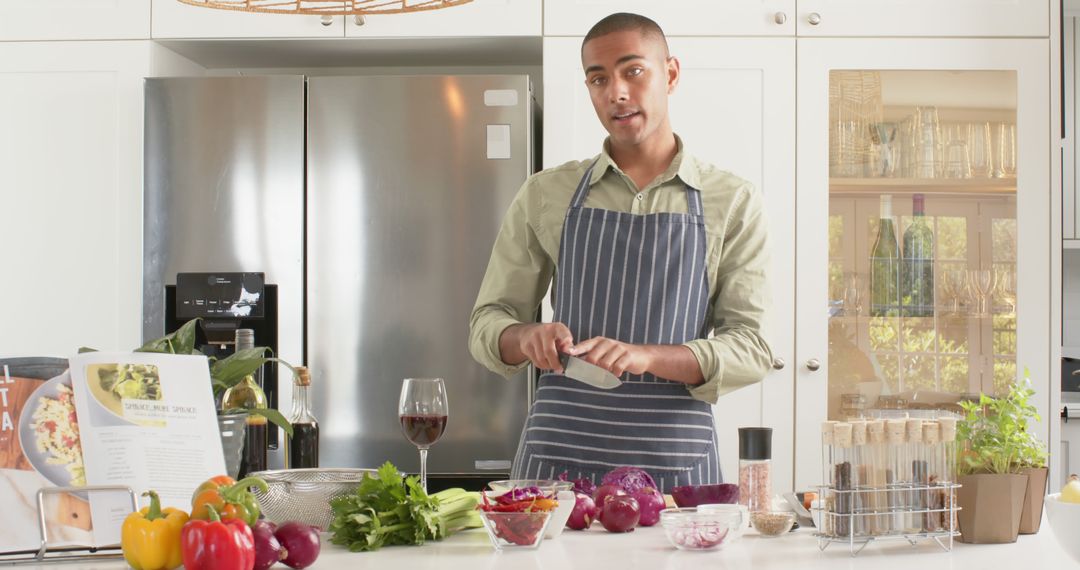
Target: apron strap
[[583, 187]]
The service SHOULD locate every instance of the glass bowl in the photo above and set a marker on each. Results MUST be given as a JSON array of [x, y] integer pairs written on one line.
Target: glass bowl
[[552, 485], [772, 523], [693, 529], [509, 531]]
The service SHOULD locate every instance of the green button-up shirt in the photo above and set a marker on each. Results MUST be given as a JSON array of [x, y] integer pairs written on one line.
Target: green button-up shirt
[[526, 256]]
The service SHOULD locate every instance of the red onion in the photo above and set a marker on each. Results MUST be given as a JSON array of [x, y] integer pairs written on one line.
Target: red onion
[[302, 543], [268, 549], [651, 503], [583, 514], [620, 513], [603, 491]]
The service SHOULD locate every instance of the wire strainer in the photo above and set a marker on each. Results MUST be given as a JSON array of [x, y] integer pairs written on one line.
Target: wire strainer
[[304, 494]]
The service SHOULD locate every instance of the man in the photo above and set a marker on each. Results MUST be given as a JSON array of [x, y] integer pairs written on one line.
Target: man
[[651, 251]]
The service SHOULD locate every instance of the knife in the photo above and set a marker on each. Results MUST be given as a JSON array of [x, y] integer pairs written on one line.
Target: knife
[[591, 374]]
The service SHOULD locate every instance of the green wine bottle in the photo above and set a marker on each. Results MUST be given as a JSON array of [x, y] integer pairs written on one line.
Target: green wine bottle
[[885, 265], [917, 267]]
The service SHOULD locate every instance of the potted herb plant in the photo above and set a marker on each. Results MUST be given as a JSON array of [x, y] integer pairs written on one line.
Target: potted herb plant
[[224, 373], [997, 449]]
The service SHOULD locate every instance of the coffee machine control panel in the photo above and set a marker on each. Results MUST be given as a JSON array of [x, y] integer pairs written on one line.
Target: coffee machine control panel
[[220, 295]]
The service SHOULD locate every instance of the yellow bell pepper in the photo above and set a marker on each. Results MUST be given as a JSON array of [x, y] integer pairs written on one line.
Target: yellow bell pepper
[[150, 538]]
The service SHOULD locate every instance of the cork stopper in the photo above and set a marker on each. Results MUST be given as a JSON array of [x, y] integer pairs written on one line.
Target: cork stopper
[[876, 431], [914, 430], [303, 376], [827, 431], [858, 432], [948, 429], [931, 433], [842, 434], [894, 431]]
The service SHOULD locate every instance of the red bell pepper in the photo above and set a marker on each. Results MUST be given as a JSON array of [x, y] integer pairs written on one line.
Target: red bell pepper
[[217, 545]]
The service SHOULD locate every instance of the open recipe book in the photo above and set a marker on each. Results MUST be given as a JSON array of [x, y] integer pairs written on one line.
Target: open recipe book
[[141, 420]]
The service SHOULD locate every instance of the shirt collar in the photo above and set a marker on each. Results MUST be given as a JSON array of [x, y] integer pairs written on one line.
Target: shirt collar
[[683, 165]]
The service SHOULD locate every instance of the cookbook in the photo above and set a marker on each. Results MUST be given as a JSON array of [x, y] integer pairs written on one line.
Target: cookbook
[[142, 420]]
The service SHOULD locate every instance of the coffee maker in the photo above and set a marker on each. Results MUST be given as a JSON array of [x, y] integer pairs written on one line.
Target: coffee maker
[[226, 302]]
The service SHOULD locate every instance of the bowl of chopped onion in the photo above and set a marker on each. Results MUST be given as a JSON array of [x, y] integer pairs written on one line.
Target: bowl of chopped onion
[[692, 528]]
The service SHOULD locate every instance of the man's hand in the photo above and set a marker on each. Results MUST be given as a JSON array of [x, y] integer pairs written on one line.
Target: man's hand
[[540, 343], [668, 361], [614, 356]]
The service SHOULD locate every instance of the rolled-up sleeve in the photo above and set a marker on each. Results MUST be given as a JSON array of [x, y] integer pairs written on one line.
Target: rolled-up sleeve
[[737, 354], [517, 276]]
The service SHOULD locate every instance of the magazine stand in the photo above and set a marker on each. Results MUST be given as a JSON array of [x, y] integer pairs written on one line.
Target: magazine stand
[[47, 555]]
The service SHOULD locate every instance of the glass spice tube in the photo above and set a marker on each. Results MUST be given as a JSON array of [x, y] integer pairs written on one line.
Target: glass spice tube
[[916, 473], [948, 445], [826, 498], [859, 477], [842, 478], [875, 431], [933, 495], [894, 474]]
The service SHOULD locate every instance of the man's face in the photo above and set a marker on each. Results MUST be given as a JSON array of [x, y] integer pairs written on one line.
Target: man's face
[[629, 78]]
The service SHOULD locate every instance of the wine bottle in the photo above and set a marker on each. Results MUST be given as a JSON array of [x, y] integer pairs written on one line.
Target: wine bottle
[[302, 450], [247, 394], [917, 267], [885, 265]]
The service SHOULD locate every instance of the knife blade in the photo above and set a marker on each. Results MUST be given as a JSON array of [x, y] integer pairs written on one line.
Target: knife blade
[[591, 374]]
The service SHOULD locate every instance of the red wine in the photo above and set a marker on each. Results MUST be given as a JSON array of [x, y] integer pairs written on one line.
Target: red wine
[[423, 430], [303, 448]]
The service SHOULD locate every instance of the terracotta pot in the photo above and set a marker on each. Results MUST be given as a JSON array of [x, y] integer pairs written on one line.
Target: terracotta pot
[[1031, 518], [991, 506]]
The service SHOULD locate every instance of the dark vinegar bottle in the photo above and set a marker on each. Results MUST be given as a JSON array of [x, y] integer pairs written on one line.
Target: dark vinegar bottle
[[302, 450]]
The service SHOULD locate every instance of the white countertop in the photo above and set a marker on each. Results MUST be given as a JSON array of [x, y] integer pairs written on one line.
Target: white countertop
[[648, 548]]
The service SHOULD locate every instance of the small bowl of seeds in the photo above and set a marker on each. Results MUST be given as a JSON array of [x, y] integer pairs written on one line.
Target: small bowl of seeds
[[772, 523]]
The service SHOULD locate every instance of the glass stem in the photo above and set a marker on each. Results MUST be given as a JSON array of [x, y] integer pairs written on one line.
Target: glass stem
[[423, 468]]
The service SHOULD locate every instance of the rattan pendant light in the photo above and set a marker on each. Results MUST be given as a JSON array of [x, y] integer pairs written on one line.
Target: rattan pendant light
[[327, 7]]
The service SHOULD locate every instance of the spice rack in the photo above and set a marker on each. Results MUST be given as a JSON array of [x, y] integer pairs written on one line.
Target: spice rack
[[861, 525], [888, 479]]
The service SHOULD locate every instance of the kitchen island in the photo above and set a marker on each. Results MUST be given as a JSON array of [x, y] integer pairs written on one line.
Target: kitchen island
[[648, 548]]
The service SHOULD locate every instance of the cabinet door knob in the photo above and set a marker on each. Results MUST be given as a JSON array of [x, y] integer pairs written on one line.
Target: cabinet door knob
[[359, 20], [780, 17], [327, 20], [778, 363], [814, 18], [813, 364]]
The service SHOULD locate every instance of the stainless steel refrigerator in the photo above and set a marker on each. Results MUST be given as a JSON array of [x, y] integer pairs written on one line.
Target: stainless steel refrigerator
[[384, 224]]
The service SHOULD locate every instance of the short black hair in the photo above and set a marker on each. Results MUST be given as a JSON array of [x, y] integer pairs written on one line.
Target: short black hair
[[625, 21]]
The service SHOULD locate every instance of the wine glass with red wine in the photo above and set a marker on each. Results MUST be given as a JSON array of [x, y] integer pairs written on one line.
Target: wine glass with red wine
[[422, 411]]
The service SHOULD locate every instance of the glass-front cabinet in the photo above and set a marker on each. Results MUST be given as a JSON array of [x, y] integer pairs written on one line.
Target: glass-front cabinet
[[922, 211]]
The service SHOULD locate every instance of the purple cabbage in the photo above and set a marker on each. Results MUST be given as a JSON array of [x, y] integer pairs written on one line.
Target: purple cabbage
[[631, 479], [518, 494], [583, 485]]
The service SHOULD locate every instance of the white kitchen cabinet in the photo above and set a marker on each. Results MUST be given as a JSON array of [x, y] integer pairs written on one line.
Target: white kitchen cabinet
[[74, 20], [174, 20], [71, 192], [479, 18], [734, 107], [908, 119], [924, 18], [677, 17]]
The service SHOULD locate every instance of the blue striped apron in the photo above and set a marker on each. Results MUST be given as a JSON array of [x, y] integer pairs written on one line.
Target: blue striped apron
[[638, 279]]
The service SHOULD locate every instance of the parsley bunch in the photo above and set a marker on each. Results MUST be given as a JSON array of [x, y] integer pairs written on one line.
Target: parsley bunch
[[390, 509]]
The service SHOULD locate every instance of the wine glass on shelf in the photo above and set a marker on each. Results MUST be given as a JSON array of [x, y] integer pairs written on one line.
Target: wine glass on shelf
[[423, 411], [953, 287], [984, 282], [1007, 288]]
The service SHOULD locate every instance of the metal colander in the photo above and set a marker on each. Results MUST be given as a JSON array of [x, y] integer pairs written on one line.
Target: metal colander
[[304, 494]]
